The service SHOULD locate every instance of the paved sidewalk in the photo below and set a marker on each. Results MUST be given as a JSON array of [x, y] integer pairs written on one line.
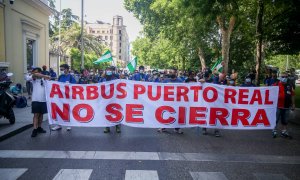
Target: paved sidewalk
[[23, 122]]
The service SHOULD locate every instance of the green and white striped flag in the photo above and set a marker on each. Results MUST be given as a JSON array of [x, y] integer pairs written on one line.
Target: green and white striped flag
[[218, 65], [132, 65], [106, 57]]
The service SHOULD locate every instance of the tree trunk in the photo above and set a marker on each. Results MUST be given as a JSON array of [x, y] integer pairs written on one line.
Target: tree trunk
[[225, 50], [226, 35], [183, 63], [259, 35], [202, 58]]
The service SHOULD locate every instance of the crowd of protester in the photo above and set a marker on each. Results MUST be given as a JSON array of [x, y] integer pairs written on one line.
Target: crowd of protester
[[286, 83]]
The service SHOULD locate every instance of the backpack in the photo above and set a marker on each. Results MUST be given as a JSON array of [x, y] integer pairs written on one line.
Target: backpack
[[21, 102]]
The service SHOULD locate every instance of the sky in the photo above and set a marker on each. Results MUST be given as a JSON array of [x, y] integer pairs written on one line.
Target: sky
[[104, 10]]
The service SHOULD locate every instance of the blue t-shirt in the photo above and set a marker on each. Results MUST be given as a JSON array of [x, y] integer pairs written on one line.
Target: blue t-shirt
[[47, 73], [216, 79], [247, 85], [270, 81], [53, 75], [169, 80], [67, 77], [155, 80], [182, 78], [139, 77], [104, 79]]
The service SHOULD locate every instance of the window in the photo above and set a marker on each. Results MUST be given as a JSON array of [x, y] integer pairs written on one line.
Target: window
[[120, 57], [111, 38], [100, 37], [103, 32], [120, 44], [106, 38], [93, 31], [110, 31], [120, 38], [30, 52], [98, 32], [120, 51], [120, 31], [111, 44]]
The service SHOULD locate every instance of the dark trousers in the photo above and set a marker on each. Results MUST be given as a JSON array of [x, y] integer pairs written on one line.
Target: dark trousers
[[29, 87]]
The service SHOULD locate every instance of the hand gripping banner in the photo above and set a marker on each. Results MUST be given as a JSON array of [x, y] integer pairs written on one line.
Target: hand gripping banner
[[161, 105]]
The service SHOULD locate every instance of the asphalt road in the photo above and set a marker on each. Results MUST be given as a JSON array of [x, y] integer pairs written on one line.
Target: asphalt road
[[146, 154]]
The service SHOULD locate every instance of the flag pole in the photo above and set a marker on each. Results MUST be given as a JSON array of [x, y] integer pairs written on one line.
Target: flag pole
[[82, 48]]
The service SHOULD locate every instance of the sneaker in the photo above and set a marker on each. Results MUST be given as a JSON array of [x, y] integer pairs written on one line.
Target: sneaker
[[285, 134], [161, 130], [69, 128], [34, 133], [178, 131], [217, 133], [41, 130], [274, 133], [118, 129], [56, 128], [106, 130], [204, 132]]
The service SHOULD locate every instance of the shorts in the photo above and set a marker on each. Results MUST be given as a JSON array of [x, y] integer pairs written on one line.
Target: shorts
[[282, 115], [39, 107]]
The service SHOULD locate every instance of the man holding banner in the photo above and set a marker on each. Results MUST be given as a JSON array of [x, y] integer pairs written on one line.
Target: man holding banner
[[172, 79], [109, 75]]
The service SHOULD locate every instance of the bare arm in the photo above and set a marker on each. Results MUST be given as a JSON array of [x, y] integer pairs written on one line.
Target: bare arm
[[34, 75]]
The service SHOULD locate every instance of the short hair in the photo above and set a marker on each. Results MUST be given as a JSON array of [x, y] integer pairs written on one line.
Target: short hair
[[66, 66]]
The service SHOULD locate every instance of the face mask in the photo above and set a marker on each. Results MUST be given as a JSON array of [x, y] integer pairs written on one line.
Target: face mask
[[108, 73], [231, 82], [141, 71], [155, 76], [284, 80], [62, 72], [248, 80], [72, 74]]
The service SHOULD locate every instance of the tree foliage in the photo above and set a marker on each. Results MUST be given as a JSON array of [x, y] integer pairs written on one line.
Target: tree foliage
[[197, 26], [70, 40]]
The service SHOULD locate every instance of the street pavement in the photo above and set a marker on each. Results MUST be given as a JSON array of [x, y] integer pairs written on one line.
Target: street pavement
[[140, 153], [88, 153]]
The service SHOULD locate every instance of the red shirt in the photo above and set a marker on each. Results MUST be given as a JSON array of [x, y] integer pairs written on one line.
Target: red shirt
[[282, 94]]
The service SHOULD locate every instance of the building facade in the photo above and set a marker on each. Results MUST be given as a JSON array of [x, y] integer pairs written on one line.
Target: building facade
[[24, 35], [114, 36]]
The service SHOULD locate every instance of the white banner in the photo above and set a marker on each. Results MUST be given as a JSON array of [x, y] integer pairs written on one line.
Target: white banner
[[161, 105]]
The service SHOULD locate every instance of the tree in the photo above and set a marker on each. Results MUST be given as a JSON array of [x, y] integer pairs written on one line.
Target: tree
[[259, 38]]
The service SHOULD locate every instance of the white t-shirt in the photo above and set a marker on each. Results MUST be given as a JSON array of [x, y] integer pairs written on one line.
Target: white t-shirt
[[38, 92], [28, 77]]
